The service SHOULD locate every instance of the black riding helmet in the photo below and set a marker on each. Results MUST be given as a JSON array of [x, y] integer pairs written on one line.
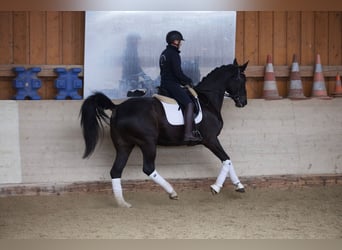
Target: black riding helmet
[[174, 35]]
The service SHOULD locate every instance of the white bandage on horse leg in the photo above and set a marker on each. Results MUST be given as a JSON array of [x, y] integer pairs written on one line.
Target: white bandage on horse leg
[[233, 177], [235, 180], [221, 177], [157, 178], [117, 190]]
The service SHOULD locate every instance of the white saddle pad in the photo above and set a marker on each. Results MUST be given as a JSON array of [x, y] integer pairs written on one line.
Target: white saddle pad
[[174, 114]]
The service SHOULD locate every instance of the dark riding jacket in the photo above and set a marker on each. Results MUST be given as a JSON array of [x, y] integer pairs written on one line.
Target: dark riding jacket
[[172, 76], [170, 67]]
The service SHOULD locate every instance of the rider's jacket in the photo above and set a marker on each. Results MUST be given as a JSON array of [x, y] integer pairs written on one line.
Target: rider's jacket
[[170, 67]]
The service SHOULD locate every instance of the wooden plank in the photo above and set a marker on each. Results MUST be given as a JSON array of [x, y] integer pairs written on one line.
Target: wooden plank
[[279, 47], [78, 38], [21, 37], [6, 37], [265, 41], [334, 44], [46, 70], [284, 70], [293, 36], [7, 91], [251, 37], [307, 37], [37, 37], [253, 71], [265, 36], [48, 90], [321, 34], [335, 38], [239, 45], [53, 32], [279, 38], [251, 44], [67, 38], [307, 46]]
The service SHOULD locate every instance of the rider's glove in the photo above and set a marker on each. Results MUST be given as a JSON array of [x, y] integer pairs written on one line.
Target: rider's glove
[[189, 84]]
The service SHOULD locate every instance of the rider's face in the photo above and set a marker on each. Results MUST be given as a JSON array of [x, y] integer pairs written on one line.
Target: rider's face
[[177, 43]]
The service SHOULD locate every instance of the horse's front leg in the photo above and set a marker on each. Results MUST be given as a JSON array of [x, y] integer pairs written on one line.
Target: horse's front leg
[[226, 169]]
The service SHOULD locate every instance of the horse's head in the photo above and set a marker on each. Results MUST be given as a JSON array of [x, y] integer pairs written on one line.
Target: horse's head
[[236, 85]]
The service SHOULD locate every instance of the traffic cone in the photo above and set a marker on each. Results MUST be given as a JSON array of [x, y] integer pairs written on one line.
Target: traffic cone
[[296, 86], [270, 91], [319, 90], [338, 87]]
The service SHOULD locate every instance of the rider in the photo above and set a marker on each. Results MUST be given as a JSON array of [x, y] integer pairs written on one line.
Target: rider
[[172, 78]]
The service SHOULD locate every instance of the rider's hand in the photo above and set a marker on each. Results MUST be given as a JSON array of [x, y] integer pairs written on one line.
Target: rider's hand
[[190, 85]]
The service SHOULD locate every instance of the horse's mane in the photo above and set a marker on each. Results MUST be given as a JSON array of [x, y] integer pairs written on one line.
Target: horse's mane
[[215, 73]]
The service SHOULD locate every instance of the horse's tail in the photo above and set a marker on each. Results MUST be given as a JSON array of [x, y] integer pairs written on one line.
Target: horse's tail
[[92, 114]]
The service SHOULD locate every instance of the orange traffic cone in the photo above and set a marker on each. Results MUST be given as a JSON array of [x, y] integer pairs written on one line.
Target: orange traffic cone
[[296, 86], [338, 87], [319, 90], [270, 91]]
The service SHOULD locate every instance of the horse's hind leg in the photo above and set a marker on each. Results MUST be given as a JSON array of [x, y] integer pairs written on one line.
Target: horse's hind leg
[[116, 172], [149, 155]]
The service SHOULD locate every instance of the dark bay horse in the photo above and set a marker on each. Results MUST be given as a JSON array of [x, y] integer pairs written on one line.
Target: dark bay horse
[[141, 121]]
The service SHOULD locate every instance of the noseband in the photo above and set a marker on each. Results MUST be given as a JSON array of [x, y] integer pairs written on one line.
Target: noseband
[[236, 98]]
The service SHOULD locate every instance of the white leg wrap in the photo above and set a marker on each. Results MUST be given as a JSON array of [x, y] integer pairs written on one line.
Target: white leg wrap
[[235, 180], [233, 177], [162, 182], [221, 177], [117, 190], [227, 169]]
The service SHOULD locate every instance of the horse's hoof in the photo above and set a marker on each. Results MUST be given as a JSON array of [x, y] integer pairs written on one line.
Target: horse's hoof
[[215, 189], [239, 188], [173, 196], [124, 205], [213, 192]]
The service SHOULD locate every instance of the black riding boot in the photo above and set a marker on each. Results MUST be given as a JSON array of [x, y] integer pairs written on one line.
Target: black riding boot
[[188, 123]]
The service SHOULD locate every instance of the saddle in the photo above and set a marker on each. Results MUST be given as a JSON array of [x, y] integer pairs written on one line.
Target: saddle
[[172, 109], [190, 91]]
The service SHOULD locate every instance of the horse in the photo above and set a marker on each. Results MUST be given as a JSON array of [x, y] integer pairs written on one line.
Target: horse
[[142, 122]]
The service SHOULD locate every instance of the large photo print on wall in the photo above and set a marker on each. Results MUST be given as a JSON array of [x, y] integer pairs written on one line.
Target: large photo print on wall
[[122, 48]]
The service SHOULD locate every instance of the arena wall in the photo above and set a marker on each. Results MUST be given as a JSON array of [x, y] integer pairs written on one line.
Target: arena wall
[[56, 38], [42, 144]]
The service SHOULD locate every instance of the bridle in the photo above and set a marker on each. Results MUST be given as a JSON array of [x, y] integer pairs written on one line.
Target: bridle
[[236, 97]]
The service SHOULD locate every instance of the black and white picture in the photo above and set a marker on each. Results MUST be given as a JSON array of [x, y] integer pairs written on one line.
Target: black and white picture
[[122, 48]]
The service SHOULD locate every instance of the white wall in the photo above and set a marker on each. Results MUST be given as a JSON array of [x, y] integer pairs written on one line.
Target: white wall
[[41, 142], [10, 165]]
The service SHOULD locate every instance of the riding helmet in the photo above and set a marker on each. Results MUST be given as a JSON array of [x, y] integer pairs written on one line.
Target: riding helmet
[[173, 35]]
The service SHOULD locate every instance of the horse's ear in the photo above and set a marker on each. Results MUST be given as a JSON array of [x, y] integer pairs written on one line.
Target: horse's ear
[[235, 62], [243, 67]]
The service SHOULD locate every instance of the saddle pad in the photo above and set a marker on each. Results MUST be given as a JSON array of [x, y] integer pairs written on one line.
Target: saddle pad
[[174, 114]]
